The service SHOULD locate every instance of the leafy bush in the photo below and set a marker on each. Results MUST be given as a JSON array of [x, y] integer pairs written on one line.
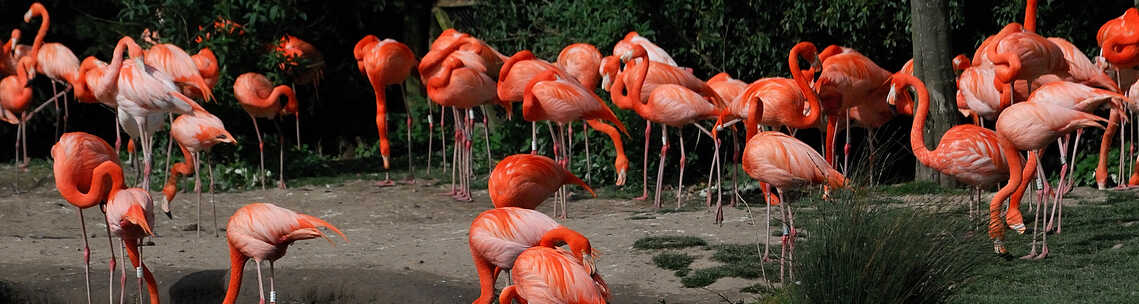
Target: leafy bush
[[863, 253]]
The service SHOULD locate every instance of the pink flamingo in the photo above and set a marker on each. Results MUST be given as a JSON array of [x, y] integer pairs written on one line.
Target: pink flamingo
[[386, 62], [54, 60], [263, 231], [195, 132], [547, 274], [129, 214], [261, 99], [84, 169], [499, 235], [526, 180]]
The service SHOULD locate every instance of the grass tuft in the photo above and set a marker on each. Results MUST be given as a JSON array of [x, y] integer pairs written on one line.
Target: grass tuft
[[918, 187], [668, 241], [673, 260]]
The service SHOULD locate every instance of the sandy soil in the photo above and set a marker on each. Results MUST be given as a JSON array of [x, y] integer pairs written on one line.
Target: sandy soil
[[407, 244]]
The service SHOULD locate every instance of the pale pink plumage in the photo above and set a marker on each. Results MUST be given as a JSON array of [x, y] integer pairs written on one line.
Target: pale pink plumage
[[554, 276], [624, 49], [582, 61], [785, 162], [58, 63], [727, 87]]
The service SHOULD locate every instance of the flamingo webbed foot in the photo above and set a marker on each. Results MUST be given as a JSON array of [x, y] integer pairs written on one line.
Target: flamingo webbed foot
[[385, 183]]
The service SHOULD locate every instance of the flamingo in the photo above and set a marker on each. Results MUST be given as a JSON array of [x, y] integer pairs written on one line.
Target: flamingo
[[260, 99], [460, 74], [547, 274], [620, 162], [625, 49], [386, 63], [583, 62], [144, 94], [15, 97], [561, 100], [848, 79], [670, 105], [8, 58], [195, 132], [54, 60], [296, 52], [129, 214], [1119, 39], [85, 169], [181, 67], [727, 87], [642, 74], [264, 231], [497, 236], [526, 180], [207, 64], [784, 162], [516, 72], [1028, 126], [968, 153]]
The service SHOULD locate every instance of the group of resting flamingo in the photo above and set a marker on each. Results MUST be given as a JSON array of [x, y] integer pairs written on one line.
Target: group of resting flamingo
[[1038, 90]]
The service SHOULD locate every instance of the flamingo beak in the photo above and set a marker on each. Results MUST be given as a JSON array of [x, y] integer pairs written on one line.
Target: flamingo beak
[[621, 175], [891, 98], [605, 82]]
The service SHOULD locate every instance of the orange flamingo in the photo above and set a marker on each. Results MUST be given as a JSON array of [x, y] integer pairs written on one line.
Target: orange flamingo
[[583, 62], [264, 231], [195, 132], [547, 274], [620, 162], [8, 58], [144, 94], [261, 99], [727, 87], [15, 97], [779, 160], [54, 60], [562, 100], [181, 67], [642, 74], [1119, 39], [297, 52], [670, 105], [969, 153], [848, 79], [460, 74], [386, 62], [499, 235], [625, 49], [130, 213], [516, 72], [85, 170], [207, 64], [526, 180], [1028, 126]]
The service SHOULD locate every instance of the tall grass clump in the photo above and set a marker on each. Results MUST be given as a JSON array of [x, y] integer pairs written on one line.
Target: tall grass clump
[[866, 253]]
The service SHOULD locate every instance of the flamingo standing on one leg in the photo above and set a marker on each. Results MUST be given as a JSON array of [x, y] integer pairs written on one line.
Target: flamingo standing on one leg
[[15, 97], [83, 179], [516, 72], [526, 180], [499, 235], [264, 231], [561, 100], [195, 132], [386, 63], [260, 99], [547, 274], [583, 62], [1028, 126]]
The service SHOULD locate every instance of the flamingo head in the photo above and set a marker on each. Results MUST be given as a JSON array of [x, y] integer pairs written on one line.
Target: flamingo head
[[362, 48], [622, 165], [960, 63], [609, 67], [36, 9]]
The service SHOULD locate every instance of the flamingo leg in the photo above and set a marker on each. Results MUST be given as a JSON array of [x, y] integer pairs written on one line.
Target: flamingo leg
[[660, 167], [430, 138], [645, 163], [767, 228], [147, 150], [455, 150], [272, 287], [486, 140], [213, 206], [557, 140], [1065, 187], [534, 137], [16, 187], [1035, 229], [588, 164], [260, 149], [122, 272], [281, 157], [24, 140], [198, 192], [683, 158], [260, 286], [793, 235], [410, 165], [55, 101], [169, 148], [846, 145], [87, 258], [443, 136], [735, 162]]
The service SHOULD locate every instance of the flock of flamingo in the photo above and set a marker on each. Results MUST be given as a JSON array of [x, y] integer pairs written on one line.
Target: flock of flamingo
[[1038, 90]]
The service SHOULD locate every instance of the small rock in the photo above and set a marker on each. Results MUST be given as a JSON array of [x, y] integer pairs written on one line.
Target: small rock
[[190, 227]]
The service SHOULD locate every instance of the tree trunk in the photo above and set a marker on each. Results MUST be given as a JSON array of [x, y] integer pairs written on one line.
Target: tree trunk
[[932, 64]]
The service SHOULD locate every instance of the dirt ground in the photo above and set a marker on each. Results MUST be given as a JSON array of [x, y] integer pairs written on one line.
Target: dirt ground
[[408, 244]]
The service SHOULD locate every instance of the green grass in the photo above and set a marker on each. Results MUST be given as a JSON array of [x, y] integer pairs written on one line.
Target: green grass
[[1082, 266], [673, 260], [668, 241]]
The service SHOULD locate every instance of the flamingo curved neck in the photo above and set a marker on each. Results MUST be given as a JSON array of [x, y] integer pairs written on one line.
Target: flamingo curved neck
[[275, 95], [100, 188], [42, 32], [802, 81], [236, 271], [1030, 16], [917, 132]]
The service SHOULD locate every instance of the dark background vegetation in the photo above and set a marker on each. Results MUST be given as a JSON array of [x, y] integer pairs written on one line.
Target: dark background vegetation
[[748, 39]]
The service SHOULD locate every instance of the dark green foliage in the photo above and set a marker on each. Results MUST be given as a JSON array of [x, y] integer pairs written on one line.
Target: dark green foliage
[[663, 242], [864, 253], [673, 260]]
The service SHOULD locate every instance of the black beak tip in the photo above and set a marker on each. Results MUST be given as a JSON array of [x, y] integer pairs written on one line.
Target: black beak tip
[[168, 215]]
